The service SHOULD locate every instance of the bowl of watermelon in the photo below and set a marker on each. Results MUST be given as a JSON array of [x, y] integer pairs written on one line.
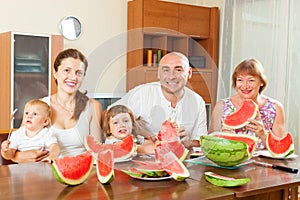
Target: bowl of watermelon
[[228, 149]]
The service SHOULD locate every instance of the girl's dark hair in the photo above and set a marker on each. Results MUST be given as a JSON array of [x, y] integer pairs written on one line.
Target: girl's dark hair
[[80, 98]]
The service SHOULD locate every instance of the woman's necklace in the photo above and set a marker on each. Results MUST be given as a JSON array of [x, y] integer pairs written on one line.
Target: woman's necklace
[[69, 110]]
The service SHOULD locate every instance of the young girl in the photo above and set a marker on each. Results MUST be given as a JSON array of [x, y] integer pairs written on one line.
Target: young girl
[[34, 133], [119, 123]]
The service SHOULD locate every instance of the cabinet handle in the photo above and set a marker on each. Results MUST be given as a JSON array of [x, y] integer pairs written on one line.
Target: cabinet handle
[[195, 36], [197, 72]]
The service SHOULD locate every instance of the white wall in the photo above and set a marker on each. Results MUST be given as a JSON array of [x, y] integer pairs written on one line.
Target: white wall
[[103, 39]]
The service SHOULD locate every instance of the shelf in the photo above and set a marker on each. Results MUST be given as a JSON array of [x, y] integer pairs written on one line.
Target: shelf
[[166, 26]]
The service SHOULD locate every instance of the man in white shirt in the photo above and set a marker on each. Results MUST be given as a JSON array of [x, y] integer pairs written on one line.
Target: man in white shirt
[[170, 99]]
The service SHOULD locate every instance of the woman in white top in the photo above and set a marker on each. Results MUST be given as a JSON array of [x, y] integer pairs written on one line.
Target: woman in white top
[[74, 115]]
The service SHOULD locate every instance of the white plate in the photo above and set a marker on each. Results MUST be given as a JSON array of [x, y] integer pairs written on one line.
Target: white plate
[[153, 178], [266, 153]]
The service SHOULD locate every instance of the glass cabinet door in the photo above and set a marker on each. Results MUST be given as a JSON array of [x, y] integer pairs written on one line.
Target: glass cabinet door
[[30, 71]]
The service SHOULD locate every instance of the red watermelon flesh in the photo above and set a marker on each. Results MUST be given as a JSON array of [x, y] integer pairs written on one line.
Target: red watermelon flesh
[[105, 165], [73, 170], [251, 141], [280, 147], [91, 144], [239, 118], [122, 150], [176, 147], [168, 131]]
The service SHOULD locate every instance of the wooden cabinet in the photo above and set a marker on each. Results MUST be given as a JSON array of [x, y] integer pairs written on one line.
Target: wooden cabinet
[[163, 27], [160, 14], [25, 62]]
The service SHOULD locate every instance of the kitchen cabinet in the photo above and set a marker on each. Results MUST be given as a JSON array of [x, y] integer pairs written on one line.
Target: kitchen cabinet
[[160, 27], [25, 62]]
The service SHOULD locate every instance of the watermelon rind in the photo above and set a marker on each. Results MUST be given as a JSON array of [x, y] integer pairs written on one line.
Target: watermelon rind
[[73, 165], [106, 179], [231, 121], [250, 140], [224, 152], [132, 173], [152, 173], [223, 181], [280, 147]]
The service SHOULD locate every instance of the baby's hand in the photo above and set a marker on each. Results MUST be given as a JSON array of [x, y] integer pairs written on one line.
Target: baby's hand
[[5, 145]]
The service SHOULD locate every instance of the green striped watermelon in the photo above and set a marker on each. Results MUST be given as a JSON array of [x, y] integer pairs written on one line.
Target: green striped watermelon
[[226, 152], [250, 140]]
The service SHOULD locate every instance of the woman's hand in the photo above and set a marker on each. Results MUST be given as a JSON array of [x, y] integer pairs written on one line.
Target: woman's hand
[[30, 155], [257, 126]]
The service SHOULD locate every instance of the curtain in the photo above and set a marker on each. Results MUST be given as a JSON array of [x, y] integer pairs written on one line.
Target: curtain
[[268, 31]]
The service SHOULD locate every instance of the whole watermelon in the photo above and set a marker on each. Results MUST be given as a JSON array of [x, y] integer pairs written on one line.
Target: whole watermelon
[[224, 152]]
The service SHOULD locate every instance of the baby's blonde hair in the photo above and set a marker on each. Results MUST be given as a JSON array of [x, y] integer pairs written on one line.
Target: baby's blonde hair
[[44, 105]]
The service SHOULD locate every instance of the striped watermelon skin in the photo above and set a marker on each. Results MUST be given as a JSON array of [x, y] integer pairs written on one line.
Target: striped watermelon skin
[[224, 181], [250, 140], [224, 152]]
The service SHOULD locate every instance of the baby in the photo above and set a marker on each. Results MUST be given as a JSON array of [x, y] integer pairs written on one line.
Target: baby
[[33, 134]]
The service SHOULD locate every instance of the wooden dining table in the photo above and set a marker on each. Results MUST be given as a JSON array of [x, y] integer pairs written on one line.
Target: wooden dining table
[[36, 181]]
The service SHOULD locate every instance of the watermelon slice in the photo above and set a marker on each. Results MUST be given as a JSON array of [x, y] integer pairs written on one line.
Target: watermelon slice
[[151, 169], [250, 140], [133, 172], [105, 166], [280, 147], [123, 150], [239, 118], [91, 144], [168, 131], [176, 147], [224, 181], [73, 170], [173, 166]]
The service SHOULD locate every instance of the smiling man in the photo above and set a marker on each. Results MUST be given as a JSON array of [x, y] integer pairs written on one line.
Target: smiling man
[[169, 99]]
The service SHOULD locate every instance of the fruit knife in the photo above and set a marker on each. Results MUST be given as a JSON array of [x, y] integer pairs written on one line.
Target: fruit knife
[[283, 168]]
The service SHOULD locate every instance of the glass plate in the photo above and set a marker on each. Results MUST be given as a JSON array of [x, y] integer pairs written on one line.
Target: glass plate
[[202, 160], [267, 154]]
